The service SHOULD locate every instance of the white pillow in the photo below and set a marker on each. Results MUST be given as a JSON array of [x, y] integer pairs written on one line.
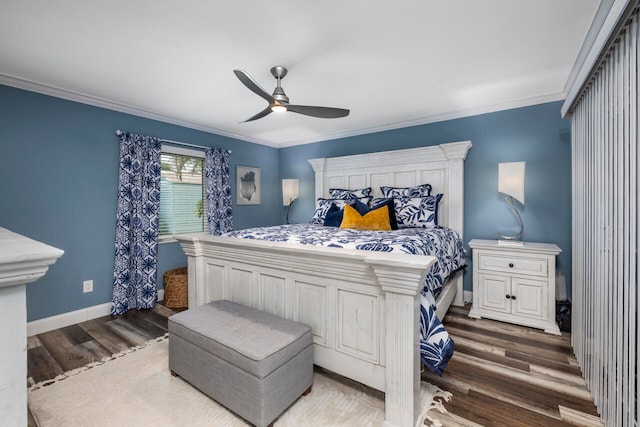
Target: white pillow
[[418, 191], [417, 212], [338, 193]]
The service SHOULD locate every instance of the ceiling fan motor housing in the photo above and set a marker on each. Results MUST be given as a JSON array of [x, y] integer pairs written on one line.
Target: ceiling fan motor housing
[[280, 96], [278, 93]]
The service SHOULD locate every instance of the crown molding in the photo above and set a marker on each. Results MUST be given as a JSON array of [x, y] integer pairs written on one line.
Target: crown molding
[[57, 92], [95, 101], [441, 117]]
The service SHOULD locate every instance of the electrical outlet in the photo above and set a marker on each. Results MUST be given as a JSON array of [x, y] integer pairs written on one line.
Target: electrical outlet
[[87, 286]]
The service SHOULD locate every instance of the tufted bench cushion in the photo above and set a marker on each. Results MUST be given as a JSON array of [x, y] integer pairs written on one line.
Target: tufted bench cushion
[[253, 362]]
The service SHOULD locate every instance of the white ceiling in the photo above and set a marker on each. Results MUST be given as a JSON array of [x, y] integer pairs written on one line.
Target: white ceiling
[[393, 63]]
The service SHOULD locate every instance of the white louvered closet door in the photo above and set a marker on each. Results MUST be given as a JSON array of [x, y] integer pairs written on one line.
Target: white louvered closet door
[[605, 228]]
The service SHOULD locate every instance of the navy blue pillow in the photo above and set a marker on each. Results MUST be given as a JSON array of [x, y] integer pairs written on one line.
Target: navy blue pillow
[[393, 221], [333, 218], [362, 208]]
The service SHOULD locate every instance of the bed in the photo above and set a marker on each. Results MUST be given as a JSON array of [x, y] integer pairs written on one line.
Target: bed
[[363, 306]]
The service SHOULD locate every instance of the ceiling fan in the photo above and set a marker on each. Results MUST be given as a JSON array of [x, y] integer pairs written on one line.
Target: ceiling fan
[[279, 101]]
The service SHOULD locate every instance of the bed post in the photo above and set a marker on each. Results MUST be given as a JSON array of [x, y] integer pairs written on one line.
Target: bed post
[[456, 153], [401, 283], [319, 166], [198, 292]]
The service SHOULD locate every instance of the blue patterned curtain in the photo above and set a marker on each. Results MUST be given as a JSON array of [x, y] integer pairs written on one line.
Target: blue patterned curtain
[[135, 273], [218, 191]]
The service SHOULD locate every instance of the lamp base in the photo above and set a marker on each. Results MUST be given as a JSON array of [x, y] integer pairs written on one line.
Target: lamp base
[[289, 208], [509, 240]]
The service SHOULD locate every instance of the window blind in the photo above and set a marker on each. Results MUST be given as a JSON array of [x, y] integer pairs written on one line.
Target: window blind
[[181, 192]]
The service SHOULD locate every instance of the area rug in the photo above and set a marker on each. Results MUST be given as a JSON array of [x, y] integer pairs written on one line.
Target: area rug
[[135, 388]]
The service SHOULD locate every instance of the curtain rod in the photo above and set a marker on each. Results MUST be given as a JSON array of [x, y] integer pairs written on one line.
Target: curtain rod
[[170, 141]]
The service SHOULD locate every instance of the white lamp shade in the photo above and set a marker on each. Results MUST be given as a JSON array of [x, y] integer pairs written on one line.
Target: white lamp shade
[[511, 180], [289, 191]]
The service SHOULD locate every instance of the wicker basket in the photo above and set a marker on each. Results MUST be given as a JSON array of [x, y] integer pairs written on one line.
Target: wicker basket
[[176, 289]]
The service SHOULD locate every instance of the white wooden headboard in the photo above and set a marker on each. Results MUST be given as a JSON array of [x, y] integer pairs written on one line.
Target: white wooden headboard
[[442, 166]]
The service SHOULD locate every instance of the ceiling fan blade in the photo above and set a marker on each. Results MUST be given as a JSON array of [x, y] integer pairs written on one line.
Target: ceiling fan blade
[[252, 85], [260, 115], [321, 112]]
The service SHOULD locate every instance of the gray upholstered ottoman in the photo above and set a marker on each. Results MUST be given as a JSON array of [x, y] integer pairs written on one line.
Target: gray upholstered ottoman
[[252, 362]]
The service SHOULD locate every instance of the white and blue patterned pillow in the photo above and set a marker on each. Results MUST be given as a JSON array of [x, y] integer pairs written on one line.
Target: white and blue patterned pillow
[[418, 191], [323, 206], [417, 212], [338, 193]]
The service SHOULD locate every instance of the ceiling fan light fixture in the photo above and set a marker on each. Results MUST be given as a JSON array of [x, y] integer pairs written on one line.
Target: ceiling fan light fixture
[[278, 108]]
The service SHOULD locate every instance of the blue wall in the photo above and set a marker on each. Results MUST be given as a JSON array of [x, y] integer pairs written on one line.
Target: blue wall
[[58, 185], [59, 173], [536, 135]]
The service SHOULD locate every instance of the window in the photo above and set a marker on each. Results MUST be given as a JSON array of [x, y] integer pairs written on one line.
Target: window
[[181, 192]]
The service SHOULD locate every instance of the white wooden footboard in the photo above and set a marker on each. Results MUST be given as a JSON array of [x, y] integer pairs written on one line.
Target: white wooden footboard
[[363, 306]]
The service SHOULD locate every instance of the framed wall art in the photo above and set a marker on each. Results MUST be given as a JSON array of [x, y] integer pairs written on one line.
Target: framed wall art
[[249, 187]]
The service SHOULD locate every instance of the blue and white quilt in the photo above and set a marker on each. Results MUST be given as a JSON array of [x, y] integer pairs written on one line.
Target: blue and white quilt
[[444, 243]]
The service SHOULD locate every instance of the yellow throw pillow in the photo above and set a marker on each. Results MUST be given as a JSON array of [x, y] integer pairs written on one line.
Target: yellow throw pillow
[[377, 219]]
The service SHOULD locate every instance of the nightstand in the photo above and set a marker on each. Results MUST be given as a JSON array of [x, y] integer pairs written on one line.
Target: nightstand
[[515, 284]]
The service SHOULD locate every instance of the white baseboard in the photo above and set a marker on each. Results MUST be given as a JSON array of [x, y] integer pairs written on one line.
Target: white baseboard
[[72, 317], [65, 319], [468, 297]]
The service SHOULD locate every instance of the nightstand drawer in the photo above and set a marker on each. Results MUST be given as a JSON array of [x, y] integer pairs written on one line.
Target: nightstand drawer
[[532, 266]]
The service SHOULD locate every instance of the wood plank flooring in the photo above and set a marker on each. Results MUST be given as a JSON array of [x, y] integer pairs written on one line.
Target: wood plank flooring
[[54, 352], [509, 375], [500, 375]]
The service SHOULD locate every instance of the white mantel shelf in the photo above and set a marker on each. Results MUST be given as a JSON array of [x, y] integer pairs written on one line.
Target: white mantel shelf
[[22, 261]]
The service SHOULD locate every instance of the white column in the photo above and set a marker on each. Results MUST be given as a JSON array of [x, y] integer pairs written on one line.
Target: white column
[[192, 247], [319, 166], [456, 153], [22, 260], [401, 282]]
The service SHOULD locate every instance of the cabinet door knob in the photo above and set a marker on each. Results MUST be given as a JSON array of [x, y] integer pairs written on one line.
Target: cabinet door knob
[[511, 265], [508, 296], [513, 297]]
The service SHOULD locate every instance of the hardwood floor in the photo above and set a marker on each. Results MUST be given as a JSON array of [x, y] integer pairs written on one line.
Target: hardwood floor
[[71, 347], [509, 375], [500, 374], [52, 353]]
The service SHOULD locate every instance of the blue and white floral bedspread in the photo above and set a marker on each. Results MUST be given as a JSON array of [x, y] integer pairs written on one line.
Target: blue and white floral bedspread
[[445, 244]]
